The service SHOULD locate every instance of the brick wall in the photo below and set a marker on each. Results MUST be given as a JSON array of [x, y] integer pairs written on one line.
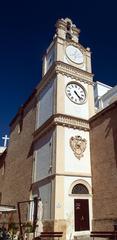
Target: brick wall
[[16, 181], [104, 168]]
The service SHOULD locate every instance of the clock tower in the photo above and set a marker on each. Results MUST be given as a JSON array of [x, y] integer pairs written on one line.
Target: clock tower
[[65, 102]]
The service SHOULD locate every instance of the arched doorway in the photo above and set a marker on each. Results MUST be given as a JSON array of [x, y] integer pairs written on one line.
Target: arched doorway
[[81, 193]]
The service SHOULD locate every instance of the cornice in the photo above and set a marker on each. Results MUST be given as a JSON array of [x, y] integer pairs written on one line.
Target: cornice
[[103, 111], [49, 178], [71, 122], [74, 72], [60, 24], [61, 120], [65, 69]]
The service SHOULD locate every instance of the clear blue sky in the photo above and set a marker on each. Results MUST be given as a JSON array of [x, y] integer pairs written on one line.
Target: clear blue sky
[[27, 28]]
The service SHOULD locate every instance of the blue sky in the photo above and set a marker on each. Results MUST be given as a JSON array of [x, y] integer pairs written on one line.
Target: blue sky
[[26, 30]]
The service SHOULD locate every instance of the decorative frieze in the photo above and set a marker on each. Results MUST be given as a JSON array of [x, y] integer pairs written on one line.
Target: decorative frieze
[[70, 121], [67, 70], [61, 120], [74, 73]]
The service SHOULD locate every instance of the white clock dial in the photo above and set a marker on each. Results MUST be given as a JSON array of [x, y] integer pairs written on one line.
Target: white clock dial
[[74, 54], [76, 93]]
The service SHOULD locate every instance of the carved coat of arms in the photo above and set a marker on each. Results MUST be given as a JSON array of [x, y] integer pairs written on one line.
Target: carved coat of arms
[[78, 145]]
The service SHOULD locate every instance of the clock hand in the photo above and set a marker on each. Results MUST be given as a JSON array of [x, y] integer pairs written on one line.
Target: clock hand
[[77, 95]]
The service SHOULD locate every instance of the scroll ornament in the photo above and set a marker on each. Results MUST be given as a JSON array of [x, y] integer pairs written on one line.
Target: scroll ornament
[[78, 146]]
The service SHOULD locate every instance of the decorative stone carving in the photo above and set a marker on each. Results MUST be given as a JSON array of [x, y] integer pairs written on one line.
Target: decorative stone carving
[[66, 70], [73, 72], [70, 121], [78, 145], [61, 120]]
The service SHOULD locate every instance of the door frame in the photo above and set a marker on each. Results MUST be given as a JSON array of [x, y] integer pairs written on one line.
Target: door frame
[[87, 184]]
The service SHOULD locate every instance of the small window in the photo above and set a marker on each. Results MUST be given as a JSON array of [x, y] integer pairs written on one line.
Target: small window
[[80, 189]]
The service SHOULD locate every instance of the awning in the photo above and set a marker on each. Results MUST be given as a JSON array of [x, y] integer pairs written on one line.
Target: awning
[[7, 209]]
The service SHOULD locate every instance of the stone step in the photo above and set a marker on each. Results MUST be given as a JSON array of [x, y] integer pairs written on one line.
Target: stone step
[[84, 237]]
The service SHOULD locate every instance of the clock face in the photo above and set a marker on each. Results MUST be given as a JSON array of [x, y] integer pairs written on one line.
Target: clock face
[[74, 54], [76, 93]]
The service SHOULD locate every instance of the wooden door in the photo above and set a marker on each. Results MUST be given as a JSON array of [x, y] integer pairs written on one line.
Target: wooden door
[[81, 213]]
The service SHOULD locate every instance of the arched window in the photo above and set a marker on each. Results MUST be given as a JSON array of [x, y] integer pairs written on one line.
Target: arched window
[[80, 189]]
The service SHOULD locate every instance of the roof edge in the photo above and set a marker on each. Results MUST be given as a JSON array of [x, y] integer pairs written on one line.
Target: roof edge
[[103, 111], [23, 106]]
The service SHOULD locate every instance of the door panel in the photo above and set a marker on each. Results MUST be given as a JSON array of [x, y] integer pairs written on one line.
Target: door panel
[[81, 213]]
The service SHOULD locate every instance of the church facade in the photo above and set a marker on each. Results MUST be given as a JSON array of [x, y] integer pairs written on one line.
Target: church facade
[[49, 151], [17, 160]]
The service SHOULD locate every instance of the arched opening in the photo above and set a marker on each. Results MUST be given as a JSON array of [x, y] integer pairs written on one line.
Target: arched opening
[[80, 189]]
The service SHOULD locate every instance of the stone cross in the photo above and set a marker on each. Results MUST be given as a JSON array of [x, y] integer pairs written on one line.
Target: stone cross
[[5, 138]]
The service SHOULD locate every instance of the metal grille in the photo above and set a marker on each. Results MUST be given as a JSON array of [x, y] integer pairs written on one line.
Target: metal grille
[[80, 189]]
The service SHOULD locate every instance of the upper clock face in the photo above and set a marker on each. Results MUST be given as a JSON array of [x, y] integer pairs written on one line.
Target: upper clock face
[[74, 54], [76, 93]]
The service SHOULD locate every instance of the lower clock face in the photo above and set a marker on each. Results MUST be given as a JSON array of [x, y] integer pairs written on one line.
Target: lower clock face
[[76, 92]]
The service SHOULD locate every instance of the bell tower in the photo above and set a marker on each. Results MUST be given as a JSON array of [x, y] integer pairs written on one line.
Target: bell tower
[[72, 62], [67, 30], [65, 102]]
